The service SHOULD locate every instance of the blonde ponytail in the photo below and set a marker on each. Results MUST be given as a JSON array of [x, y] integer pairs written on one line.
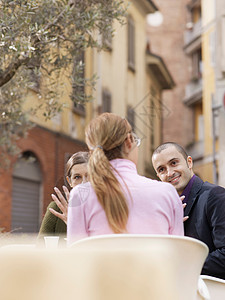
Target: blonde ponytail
[[105, 136]]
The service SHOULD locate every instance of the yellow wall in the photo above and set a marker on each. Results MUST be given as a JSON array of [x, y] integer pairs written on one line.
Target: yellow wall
[[205, 171], [127, 87], [208, 90], [208, 12], [208, 15], [66, 122]]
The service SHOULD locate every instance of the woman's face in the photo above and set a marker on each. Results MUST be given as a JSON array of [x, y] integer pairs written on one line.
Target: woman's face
[[78, 175]]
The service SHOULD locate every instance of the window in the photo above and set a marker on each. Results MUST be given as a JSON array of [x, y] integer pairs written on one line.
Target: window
[[107, 39], [152, 119], [131, 44], [34, 68], [79, 109], [196, 13], [106, 101], [212, 48], [197, 65], [78, 84], [222, 44], [107, 25], [200, 128], [131, 117]]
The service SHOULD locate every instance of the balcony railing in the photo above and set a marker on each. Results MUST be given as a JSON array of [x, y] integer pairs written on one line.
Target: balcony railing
[[196, 150], [193, 91], [194, 33]]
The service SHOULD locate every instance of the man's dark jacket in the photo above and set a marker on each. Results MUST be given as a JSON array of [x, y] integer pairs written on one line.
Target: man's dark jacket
[[206, 211]]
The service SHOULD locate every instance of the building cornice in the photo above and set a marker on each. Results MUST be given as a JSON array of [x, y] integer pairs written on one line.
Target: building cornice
[[147, 6], [60, 134], [160, 71]]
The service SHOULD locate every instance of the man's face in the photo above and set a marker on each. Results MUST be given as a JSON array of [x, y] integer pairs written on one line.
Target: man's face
[[171, 166]]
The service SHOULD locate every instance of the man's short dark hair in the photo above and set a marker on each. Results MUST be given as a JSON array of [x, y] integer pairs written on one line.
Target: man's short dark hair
[[164, 146]]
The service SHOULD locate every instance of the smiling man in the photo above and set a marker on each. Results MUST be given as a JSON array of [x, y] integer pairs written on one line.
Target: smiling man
[[205, 203]]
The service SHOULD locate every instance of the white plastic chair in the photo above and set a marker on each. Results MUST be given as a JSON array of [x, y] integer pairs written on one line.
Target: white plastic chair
[[203, 292], [117, 267], [139, 267], [19, 246], [216, 287]]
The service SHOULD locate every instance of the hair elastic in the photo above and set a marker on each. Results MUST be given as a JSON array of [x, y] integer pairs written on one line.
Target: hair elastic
[[98, 146]]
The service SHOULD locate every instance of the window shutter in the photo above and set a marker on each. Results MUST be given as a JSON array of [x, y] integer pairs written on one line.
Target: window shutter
[[78, 88], [131, 117], [131, 44], [106, 101]]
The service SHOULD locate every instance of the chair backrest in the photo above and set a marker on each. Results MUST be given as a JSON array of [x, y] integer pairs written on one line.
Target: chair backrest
[[155, 267], [19, 246], [39, 273], [216, 287], [120, 267], [203, 292]]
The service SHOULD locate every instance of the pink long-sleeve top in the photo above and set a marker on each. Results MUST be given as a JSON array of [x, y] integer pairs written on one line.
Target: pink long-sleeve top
[[154, 207]]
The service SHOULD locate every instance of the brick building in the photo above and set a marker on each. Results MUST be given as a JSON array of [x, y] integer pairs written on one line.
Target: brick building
[[25, 189], [168, 41]]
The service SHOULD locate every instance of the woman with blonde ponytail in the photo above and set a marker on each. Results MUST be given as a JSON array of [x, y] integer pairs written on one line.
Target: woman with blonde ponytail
[[117, 199]]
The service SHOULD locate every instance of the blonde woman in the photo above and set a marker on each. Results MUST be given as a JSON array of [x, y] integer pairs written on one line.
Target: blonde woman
[[117, 199]]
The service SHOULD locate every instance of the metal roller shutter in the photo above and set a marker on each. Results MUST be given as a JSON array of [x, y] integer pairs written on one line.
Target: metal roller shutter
[[25, 205]]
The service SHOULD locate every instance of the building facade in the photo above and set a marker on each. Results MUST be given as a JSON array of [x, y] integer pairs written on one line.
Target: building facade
[[193, 47], [211, 164], [131, 79], [167, 39], [220, 86]]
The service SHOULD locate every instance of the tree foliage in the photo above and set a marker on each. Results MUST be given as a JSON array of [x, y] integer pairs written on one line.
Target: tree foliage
[[41, 39]]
